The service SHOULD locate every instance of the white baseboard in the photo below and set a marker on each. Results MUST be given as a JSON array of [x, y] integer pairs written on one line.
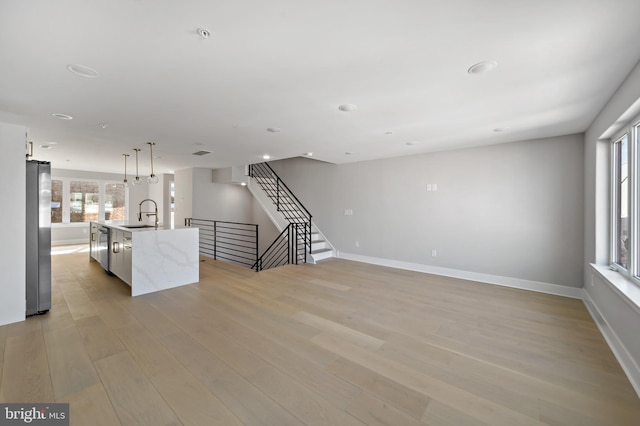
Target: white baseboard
[[541, 287], [625, 360]]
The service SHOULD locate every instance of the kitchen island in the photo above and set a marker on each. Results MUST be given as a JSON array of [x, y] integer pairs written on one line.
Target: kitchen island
[[146, 258]]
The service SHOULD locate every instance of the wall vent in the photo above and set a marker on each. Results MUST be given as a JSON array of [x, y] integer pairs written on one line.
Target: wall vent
[[202, 152]]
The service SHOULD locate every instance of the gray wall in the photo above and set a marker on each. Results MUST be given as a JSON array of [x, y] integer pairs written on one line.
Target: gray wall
[[512, 210], [13, 193], [219, 201]]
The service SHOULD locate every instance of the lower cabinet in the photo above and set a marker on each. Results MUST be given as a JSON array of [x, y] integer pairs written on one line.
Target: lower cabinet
[[120, 255], [94, 241]]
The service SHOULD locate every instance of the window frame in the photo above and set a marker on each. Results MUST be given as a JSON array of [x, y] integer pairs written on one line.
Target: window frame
[[66, 197], [632, 131]]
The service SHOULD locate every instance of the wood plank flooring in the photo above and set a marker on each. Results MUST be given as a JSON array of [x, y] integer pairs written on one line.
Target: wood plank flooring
[[338, 343]]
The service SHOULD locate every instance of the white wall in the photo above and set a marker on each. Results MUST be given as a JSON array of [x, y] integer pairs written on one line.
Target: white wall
[[183, 180], [219, 201], [157, 194], [267, 231], [13, 193], [512, 210], [166, 181], [621, 319], [138, 193]]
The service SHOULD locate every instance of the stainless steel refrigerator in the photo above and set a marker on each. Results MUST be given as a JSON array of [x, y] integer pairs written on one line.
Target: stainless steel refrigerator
[[38, 254]]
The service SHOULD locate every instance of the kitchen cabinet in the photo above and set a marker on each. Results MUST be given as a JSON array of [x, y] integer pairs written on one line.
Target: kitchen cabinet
[[149, 259], [120, 254], [94, 241]]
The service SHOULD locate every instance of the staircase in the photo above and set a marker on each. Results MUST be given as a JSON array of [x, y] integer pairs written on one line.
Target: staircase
[[284, 209]]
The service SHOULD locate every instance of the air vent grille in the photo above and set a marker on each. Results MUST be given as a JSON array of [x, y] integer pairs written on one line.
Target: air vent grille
[[202, 152]]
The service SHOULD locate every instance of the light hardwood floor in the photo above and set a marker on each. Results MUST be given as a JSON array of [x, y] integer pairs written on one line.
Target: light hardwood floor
[[338, 343]]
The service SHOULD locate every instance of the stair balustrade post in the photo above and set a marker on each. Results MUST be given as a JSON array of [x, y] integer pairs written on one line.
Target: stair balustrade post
[[215, 242]]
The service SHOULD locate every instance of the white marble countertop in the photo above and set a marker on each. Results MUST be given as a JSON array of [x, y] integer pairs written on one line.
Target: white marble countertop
[[129, 226], [161, 259]]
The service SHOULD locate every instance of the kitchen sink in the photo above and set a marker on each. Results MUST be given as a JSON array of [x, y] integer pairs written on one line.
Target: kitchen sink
[[137, 226]]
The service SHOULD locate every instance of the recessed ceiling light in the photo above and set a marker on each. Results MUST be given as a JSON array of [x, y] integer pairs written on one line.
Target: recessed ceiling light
[[410, 143], [203, 152], [45, 146], [482, 67], [82, 70], [347, 107], [273, 129], [52, 143], [62, 116], [348, 153], [308, 154], [388, 133], [243, 183], [103, 125], [266, 157], [204, 33], [500, 129]]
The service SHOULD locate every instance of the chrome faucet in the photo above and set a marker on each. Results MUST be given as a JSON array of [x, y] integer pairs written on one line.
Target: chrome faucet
[[154, 213]]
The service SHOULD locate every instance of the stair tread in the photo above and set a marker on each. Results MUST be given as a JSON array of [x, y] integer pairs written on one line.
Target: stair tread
[[324, 250]]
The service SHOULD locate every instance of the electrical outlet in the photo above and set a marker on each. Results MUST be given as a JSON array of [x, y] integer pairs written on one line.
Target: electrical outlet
[[434, 253], [348, 212], [434, 186], [428, 187]]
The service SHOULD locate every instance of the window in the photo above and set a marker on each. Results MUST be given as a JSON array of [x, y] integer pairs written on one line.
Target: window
[[172, 191], [84, 202], [81, 201], [114, 201], [56, 201], [625, 235], [621, 202]]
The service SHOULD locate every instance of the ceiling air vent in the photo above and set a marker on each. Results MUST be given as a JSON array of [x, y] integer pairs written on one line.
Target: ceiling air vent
[[202, 152]]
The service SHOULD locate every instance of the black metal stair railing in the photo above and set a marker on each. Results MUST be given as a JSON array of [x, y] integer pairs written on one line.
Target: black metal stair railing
[[285, 201], [288, 248], [230, 241]]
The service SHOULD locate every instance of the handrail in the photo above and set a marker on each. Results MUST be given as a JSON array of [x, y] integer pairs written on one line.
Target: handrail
[[235, 242], [288, 204], [284, 250], [273, 172]]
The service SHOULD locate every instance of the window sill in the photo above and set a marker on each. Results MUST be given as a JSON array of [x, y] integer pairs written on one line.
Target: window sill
[[624, 286]]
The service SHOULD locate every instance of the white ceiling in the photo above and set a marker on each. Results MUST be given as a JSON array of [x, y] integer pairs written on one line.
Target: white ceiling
[[291, 63]]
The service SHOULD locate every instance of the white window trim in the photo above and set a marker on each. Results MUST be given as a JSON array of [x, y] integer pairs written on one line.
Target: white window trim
[[632, 273], [66, 195]]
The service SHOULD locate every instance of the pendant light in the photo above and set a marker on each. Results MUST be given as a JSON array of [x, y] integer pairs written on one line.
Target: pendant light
[[137, 180], [152, 177], [126, 182]]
